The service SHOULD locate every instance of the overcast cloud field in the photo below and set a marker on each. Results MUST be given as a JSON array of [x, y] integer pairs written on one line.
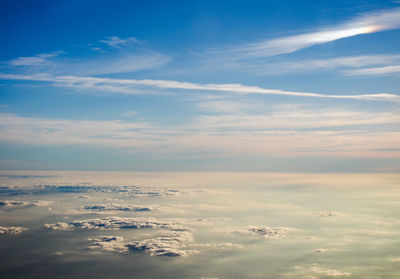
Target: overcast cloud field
[[199, 225]]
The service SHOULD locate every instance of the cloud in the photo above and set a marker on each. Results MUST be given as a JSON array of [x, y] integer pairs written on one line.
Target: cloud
[[366, 23], [118, 207], [106, 62], [11, 230], [115, 223], [392, 69], [38, 60], [326, 213], [115, 41], [17, 204], [129, 86], [128, 190], [329, 272], [322, 250], [169, 244], [109, 243], [349, 65], [299, 132], [265, 232], [320, 272], [13, 204]]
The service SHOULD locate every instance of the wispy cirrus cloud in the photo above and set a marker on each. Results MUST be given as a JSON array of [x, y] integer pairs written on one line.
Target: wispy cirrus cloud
[[127, 86], [392, 69], [349, 65], [122, 58], [366, 23], [37, 60], [115, 41]]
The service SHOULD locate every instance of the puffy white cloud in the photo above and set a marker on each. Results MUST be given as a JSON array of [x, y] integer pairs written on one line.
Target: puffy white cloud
[[11, 230], [170, 244], [109, 243], [118, 207], [266, 232], [12, 204], [16, 204], [116, 222]]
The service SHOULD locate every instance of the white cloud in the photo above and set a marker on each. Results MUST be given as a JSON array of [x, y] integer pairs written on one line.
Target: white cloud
[[265, 232], [167, 243], [129, 86], [327, 213], [385, 70], [349, 65], [283, 133], [109, 243], [118, 207], [115, 223], [115, 41], [363, 24], [38, 60], [12, 204], [170, 244], [16, 204], [11, 230], [329, 272]]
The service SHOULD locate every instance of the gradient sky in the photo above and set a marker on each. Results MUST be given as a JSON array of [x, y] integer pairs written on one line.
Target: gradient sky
[[200, 85]]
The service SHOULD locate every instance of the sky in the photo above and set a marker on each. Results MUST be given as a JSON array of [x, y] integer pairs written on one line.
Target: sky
[[283, 86]]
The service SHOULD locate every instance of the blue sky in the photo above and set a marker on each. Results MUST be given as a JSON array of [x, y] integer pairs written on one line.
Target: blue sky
[[200, 85]]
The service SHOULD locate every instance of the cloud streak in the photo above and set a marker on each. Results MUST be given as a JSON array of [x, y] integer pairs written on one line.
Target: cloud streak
[[125, 86], [364, 24]]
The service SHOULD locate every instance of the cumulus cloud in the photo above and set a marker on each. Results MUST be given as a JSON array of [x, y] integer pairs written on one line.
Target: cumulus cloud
[[170, 244], [265, 232], [17, 204], [11, 230], [109, 243], [326, 213], [115, 223], [82, 188], [13, 204], [118, 207]]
